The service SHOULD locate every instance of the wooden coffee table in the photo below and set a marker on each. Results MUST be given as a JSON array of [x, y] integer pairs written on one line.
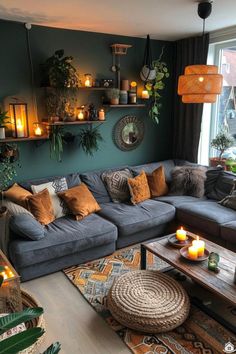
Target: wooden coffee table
[[221, 283]]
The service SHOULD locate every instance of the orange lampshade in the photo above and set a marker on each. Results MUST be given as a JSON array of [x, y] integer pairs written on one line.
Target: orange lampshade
[[200, 84]]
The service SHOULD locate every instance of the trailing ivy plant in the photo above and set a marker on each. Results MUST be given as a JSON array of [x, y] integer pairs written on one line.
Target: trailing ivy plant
[[155, 87], [89, 140]]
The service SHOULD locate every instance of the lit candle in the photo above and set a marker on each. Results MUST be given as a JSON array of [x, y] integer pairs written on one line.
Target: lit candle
[[200, 245], [181, 234], [145, 94], [19, 128], [38, 131], [81, 115], [192, 252], [101, 114], [88, 80]]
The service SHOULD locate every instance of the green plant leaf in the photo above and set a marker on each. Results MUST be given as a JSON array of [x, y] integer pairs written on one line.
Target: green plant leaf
[[53, 349], [20, 341], [14, 319], [1, 280], [159, 76]]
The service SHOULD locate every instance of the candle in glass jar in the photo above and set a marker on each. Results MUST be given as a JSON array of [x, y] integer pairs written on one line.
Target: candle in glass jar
[[81, 115], [192, 253], [20, 128], [181, 234], [145, 94], [101, 114]]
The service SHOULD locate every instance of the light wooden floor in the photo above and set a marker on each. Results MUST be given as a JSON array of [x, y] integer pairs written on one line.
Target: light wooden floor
[[71, 320]]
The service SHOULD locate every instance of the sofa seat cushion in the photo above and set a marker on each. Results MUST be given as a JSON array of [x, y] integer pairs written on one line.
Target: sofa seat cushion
[[206, 216], [131, 219], [63, 237], [228, 232], [177, 200]]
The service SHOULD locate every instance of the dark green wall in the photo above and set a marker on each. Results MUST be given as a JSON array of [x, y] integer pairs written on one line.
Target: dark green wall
[[92, 54]]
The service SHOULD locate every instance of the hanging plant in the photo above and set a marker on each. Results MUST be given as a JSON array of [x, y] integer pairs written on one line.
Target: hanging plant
[[56, 142], [89, 139], [154, 87]]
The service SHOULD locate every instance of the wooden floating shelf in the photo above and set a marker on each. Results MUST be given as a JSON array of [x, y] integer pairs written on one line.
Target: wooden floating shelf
[[94, 88], [30, 138], [137, 105], [74, 123]]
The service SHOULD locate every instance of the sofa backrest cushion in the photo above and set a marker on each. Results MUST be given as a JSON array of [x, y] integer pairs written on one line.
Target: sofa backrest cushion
[[219, 184], [150, 167], [93, 179], [72, 180]]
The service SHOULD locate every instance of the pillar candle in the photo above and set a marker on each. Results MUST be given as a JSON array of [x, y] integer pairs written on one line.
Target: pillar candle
[[192, 253], [181, 234]]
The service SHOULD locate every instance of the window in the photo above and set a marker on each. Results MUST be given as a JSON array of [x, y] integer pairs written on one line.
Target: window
[[223, 113]]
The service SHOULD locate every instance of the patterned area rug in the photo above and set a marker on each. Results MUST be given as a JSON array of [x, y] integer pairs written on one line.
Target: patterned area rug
[[200, 334]]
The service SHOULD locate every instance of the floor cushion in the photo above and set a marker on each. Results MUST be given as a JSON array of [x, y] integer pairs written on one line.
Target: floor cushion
[[206, 216], [63, 237]]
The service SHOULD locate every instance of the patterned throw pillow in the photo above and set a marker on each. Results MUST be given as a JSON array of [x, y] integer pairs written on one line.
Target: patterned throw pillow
[[117, 185], [139, 188], [54, 187], [230, 200]]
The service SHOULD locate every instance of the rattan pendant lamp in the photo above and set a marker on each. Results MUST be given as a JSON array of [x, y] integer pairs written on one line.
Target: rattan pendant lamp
[[200, 83]]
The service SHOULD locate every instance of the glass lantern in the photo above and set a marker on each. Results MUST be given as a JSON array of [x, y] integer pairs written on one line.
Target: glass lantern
[[19, 120], [88, 80], [10, 293]]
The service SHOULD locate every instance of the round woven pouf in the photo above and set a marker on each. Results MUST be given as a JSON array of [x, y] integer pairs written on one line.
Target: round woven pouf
[[148, 301]]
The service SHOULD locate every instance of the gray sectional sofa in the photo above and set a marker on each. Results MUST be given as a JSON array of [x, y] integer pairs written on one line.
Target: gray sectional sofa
[[68, 242]]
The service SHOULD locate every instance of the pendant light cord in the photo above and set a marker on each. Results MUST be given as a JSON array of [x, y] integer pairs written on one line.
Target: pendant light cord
[[35, 111]]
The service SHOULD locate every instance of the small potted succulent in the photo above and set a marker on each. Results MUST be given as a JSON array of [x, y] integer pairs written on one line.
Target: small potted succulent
[[114, 96], [221, 143], [4, 119]]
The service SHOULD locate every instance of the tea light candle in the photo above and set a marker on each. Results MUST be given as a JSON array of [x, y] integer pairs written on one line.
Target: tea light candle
[[181, 234], [38, 131], [81, 115], [192, 253], [200, 245], [101, 114], [20, 128], [145, 94]]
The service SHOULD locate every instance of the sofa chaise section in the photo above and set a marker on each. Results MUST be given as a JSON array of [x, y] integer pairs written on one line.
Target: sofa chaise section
[[67, 242]]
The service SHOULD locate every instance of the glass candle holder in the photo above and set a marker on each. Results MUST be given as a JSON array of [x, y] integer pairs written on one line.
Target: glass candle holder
[[38, 129], [88, 80]]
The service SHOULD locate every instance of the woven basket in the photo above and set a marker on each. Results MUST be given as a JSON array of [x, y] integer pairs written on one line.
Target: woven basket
[[148, 301]]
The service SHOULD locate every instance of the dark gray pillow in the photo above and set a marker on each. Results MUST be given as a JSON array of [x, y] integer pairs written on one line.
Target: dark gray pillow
[[117, 185], [188, 180], [211, 179], [26, 226], [230, 200], [223, 186]]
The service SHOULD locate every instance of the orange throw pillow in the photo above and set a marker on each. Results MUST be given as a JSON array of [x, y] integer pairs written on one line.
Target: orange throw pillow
[[157, 182], [17, 194], [139, 188], [80, 201], [40, 205]]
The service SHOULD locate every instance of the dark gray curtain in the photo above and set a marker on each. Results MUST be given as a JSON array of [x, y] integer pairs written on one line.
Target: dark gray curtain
[[188, 117]]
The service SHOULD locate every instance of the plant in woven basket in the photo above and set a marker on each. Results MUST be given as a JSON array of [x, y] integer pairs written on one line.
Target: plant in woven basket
[[155, 86], [89, 139], [23, 340]]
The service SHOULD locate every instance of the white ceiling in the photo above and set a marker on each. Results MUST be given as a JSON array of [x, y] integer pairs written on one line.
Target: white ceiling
[[162, 19]]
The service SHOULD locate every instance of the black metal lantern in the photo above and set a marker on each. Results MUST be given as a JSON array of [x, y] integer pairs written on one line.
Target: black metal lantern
[[19, 120]]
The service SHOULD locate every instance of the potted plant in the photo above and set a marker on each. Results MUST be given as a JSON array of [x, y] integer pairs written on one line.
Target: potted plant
[[61, 79], [23, 340], [4, 119], [155, 86], [221, 143], [114, 95], [89, 139]]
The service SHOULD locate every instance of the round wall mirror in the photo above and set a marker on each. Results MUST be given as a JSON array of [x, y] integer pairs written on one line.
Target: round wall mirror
[[128, 133]]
